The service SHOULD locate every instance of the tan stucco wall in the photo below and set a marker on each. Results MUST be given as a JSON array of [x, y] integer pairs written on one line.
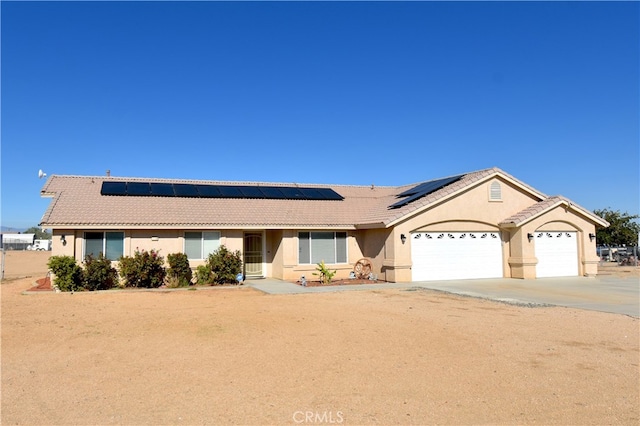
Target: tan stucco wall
[[560, 218], [274, 253], [57, 246], [291, 271], [162, 241], [469, 211]]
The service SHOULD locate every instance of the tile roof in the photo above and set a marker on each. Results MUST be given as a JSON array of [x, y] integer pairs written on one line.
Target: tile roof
[[545, 205], [77, 202]]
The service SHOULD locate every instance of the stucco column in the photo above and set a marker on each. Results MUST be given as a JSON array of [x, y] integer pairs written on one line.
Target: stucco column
[[590, 259], [289, 254], [397, 257], [522, 260]]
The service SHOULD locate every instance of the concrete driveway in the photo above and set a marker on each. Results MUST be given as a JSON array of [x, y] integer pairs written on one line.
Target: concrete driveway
[[602, 293]]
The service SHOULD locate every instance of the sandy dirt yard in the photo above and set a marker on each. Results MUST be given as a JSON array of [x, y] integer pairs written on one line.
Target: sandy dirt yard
[[238, 356]]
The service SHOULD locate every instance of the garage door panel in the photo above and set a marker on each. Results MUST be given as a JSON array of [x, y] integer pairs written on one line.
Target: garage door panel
[[557, 254], [456, 255]]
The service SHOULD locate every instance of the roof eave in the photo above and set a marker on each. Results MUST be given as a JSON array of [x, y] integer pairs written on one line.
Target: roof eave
[[206, 226], [373, 225]]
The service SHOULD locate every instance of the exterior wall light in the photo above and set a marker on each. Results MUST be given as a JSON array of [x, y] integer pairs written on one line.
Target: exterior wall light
[[592, 236], [403, 238], [63, 239], [530, 236]]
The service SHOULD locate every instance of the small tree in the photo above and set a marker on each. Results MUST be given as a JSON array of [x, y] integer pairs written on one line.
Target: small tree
[[68, 273], [179, 270], [325, 274], [98, 273], [144, 269], [225, 265], [623, 228]]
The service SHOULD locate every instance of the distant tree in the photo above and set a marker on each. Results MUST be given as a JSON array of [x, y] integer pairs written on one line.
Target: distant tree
[[40, 234], [623, 228]]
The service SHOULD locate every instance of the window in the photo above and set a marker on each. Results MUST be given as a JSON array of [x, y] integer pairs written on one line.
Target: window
[[315, 247], [495, 191], [199, 245], [109, 243]]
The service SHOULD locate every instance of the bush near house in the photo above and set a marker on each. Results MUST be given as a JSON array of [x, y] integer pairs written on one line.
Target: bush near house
[[68, 273], [204, 275], [179, 273], [145, 269], [225, 265], [98, 274]]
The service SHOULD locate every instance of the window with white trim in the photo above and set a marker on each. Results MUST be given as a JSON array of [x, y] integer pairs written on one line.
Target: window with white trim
[[199, 245], [315, 247], [111, 244], [495, 191]]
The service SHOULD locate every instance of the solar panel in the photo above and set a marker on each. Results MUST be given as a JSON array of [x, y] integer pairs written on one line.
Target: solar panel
[[229, 191], [311, 194], [138, 188], [423, 189], [251, 192], [272, 192], [208, 191], [424, 186], [113, 188], [329, 194], [292, 193], [185, 190], [161, 189]]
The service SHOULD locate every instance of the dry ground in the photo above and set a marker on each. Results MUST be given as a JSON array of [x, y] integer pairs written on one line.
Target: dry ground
[[237, 356]]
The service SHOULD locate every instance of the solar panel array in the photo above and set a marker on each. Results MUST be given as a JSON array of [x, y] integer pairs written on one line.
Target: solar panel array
[[156, 189], [423, 189]]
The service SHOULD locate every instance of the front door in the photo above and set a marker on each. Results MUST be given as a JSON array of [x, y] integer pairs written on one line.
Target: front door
[[253, 254]]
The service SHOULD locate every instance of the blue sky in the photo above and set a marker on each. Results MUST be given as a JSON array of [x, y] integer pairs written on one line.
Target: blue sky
[[386, 93]]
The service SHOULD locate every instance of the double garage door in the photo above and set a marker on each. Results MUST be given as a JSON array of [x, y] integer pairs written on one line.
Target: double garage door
[[456, 255]]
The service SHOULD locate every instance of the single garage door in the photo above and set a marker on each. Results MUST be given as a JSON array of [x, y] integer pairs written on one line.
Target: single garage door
[[557, 254], [456, 255]]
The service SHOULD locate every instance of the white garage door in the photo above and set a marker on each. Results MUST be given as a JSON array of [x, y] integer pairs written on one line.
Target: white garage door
[[557, 254], [456, 255]]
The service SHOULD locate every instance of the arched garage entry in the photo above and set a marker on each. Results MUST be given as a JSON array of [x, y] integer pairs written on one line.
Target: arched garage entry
[[456, 255], [557, 253]]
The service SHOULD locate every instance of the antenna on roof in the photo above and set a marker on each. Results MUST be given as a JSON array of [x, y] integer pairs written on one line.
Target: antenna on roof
[[41, 174]]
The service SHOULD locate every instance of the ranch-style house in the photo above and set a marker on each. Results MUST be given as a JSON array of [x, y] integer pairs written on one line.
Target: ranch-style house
[[481, 224]]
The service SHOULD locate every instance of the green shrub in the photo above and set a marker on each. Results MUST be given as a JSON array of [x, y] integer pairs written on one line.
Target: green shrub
[[68, 273], [179, 271], [144, 269], [225, 265], [204, 275], [98, 273], [325, 274]]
